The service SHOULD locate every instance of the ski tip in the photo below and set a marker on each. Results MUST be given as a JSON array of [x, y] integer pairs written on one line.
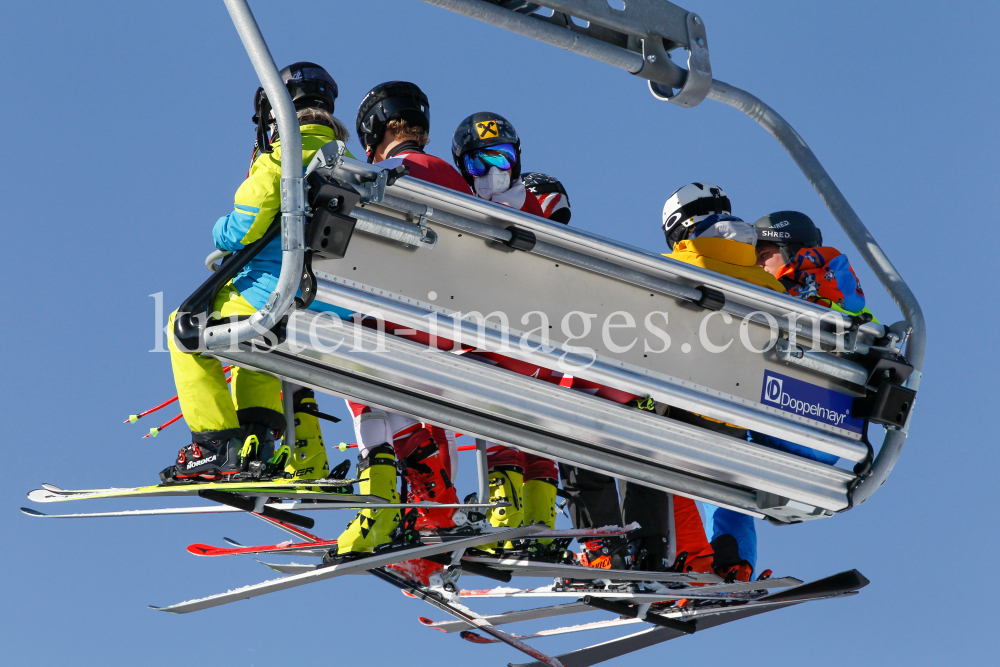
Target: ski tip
[[53, 488], [43, 496], [470, 636], [31, 512], [861, 579], [229, 540], [430, 624], [155, 608], [201, 549]]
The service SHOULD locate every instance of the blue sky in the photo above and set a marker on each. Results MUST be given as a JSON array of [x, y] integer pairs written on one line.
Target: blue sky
[[128, 130]]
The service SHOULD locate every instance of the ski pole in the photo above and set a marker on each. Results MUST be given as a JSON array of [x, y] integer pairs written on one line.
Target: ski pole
[[134, 418], [344, 447], [153, 432]]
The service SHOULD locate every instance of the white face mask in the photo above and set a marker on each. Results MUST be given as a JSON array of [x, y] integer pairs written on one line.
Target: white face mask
[[492, 183]]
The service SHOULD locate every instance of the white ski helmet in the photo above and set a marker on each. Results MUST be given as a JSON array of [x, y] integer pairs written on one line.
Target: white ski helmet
[[690, 205]]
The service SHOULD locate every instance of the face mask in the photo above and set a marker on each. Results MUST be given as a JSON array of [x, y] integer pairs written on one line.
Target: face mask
[[493, 183]]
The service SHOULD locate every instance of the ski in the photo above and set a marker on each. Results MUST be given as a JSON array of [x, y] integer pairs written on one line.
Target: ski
[[291, 568], [523, 567], [330, 571], [255, 489], [470, 636], [465, 615], [681, 616], [291, 505], [309, 546], [52, 488], [511, 616], [839, 585], [637, 594], [317, 548]]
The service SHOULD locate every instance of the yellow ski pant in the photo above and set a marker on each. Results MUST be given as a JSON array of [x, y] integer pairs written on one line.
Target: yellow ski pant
[[201, 384]]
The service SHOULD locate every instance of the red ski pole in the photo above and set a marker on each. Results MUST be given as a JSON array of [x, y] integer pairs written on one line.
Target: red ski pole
[[134, 418], [344, 447], [156, 431]]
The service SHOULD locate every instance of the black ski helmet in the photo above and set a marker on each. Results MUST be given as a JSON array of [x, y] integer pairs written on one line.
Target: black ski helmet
[[482, 130], [543, 184], [392, 100], [309, 85], [789, 230]]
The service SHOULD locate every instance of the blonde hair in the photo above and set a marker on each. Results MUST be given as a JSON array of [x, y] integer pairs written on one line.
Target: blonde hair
[[402, 130], [317, 116]]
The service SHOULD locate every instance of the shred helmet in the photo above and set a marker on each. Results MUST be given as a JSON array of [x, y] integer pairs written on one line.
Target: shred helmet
[[482, 130], [690, 205], [309, 85], [392, 100], [550, 194], [789, 230]]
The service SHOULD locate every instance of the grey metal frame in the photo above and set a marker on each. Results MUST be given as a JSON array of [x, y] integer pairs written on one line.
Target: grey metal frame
[[292, 192], [513, 343], [636, 20], [501, 407], [640, 38]]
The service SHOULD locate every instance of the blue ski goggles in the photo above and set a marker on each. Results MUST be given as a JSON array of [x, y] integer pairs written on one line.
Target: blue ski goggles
[[479, 161]]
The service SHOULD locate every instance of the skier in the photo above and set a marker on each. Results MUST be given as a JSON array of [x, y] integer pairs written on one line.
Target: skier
[[551, 196], [701, 231], [790, 247], [487, 150], [229, 432], [393, 125]]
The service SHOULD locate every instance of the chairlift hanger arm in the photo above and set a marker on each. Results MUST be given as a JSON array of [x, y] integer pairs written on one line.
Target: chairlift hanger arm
[[292, 191], [644, 18]]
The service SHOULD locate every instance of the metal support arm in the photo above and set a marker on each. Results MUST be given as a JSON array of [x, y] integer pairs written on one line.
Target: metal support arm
[[292, 193], [647, 19], [862, 239]]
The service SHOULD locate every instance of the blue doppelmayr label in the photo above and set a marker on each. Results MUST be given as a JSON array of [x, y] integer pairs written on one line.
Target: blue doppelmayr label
[[808, 400]]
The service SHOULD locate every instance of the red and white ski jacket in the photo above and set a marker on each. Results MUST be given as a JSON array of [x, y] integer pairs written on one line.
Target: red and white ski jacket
[[428, 168]]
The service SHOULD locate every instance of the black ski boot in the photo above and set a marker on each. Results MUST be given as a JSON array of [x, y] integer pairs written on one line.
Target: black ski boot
[[611, 552], [259, 447], [212, 456], [650, 553], [232, 455]]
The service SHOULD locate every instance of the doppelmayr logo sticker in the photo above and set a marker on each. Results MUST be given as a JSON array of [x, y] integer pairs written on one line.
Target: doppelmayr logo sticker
[[808, 400]]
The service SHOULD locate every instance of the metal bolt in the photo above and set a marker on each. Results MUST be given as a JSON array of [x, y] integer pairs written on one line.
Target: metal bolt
[[651, 58], [701, 42], [697, 20]]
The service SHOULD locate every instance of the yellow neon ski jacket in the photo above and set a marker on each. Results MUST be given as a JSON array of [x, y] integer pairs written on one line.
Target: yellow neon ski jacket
[[258, 201]]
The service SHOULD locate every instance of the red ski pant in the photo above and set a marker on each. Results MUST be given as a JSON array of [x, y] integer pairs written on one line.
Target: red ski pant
[[373, 427], [534, 467]]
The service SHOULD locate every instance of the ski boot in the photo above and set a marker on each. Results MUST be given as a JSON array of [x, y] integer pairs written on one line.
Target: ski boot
[[309, 461], [370, 528], [428, 481], [650, 553], [538, 500], [505, 485], [733, 573], [606, 553], [727, 562], [212, 456]]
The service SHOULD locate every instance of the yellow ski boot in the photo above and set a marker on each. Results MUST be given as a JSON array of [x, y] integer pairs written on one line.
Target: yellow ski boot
[[538, 496], [371, 528], [505, 485], [309, 460]]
